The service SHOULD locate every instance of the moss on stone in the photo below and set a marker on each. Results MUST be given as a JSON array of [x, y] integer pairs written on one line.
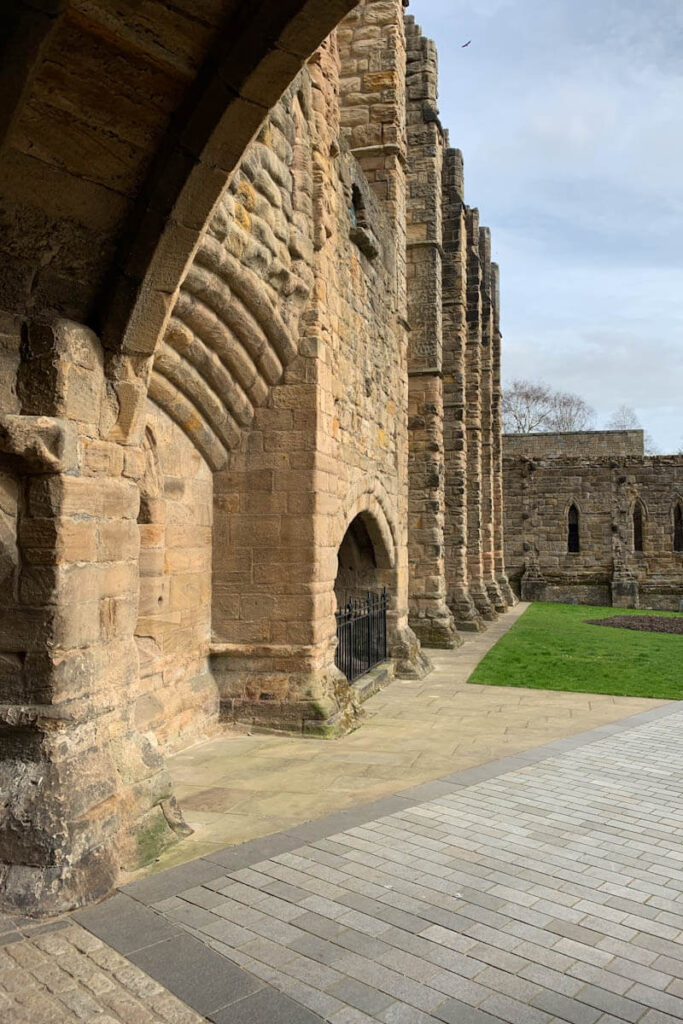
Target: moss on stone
[[153, 837]]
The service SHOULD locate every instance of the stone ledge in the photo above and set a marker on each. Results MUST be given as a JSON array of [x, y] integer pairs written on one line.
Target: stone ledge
[[373, 681]]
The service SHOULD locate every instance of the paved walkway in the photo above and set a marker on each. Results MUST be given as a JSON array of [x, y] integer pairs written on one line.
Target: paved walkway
[[544, 888], [238, 788]]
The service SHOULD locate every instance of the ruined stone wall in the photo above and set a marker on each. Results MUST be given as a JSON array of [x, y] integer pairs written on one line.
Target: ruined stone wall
[[503, 584], [328, 438], [578, 444], [83, 780], [607, 569], [322, 346]]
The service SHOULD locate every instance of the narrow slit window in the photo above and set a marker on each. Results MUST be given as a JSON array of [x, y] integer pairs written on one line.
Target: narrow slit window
[[638, 526], [357, 208], [573, 530], [678, 527]]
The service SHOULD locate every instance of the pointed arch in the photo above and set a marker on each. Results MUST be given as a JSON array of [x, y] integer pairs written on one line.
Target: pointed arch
[[573, 529], [678, 525], [638, 524]]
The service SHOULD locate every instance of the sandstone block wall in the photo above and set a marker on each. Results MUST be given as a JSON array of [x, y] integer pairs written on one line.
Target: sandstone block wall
[[575, 444], [607, 569], [178, 701], [315, 350]]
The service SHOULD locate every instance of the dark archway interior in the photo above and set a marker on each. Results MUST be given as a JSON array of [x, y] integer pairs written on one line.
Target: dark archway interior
[[357, 564]]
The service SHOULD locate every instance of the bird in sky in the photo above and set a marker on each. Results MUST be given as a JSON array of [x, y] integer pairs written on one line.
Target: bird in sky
[[465, 44]]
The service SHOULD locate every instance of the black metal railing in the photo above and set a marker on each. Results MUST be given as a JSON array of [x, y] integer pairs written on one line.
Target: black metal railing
[[361, 634]]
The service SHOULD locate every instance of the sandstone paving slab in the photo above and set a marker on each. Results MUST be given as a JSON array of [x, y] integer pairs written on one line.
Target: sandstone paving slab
[[237, 788]]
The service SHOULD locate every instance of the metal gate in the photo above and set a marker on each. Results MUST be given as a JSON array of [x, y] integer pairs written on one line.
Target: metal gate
[[361, 634]]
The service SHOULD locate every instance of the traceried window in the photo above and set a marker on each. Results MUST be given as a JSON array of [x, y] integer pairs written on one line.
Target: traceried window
[[573, 530], [638, 518], [678, 526]]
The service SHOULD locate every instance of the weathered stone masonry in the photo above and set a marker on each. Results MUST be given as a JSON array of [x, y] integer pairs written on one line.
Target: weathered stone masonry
[[456, 551], [625, 506], [295, 351]]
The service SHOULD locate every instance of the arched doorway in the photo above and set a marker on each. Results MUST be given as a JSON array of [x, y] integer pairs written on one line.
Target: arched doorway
[[356, 564], [363, 588]]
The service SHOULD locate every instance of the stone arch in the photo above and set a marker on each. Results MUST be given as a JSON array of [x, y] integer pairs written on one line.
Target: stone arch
[[234, 325], [573, 521], [373, 503], [370, 503], [206, 82], [260, 52]]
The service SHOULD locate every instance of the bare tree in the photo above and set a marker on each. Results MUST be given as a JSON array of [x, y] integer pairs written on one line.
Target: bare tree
[[529, 407], [526, 407], [626, 418], [571, 412]]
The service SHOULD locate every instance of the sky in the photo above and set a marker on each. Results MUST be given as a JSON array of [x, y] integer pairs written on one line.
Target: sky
[[569, 114]]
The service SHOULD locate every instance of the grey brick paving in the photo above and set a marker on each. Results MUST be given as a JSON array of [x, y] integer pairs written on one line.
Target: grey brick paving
[[550, 892]]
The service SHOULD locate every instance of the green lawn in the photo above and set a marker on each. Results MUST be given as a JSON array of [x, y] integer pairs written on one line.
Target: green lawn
[[552, 648]]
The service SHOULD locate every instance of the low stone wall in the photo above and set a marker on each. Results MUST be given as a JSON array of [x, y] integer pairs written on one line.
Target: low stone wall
[[580, 444]]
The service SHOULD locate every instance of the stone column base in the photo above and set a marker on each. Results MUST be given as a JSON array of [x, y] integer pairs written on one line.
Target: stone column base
[[507, 591], [467, 618], [500, 605], [625, 593], [436, 630], [482, 603], [277, 688], [534, 590], [410, 661], [48, 891]]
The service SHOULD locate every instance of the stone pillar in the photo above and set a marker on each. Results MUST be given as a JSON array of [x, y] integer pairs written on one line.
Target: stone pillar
[[372, 110], [372, 47], [430, 616], [84, 793], [497, 432], [454, 302], [473, 414], [274, 568], [487, 425]]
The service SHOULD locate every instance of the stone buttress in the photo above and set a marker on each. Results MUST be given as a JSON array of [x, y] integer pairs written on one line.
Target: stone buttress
[[467, 617], [490, 395], [430, 616]]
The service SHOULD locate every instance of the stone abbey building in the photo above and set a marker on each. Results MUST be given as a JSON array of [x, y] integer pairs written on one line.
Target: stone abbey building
[[591, 519], [250, 364]]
